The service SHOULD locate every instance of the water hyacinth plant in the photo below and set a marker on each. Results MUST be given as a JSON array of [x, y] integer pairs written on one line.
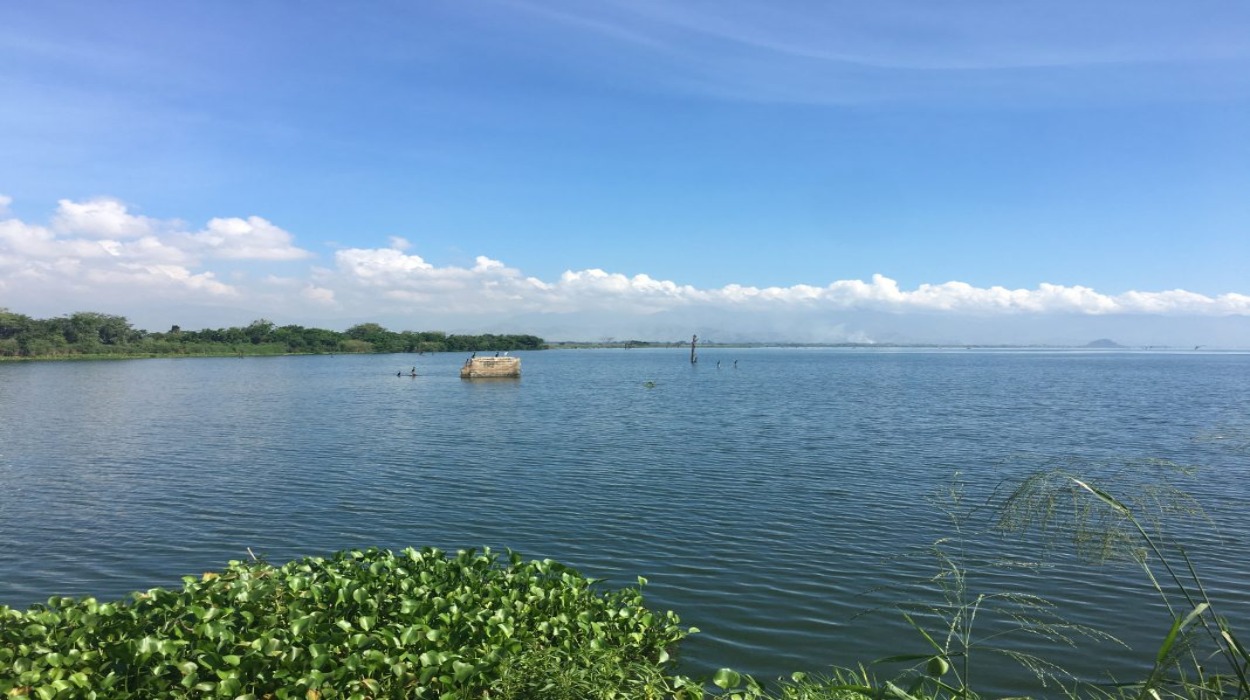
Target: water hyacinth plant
[[361, 624], [429, 624]]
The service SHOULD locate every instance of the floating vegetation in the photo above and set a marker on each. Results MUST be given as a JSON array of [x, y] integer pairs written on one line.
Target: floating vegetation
[[412, 624]]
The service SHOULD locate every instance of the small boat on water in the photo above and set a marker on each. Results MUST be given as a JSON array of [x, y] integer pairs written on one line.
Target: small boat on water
[[490, 367]]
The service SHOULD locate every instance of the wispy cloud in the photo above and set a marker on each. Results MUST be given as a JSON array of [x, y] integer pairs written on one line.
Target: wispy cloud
[[900, 34], [898, 49]]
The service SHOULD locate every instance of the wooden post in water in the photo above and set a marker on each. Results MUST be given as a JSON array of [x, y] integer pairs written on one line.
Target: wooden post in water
[[693, 358]]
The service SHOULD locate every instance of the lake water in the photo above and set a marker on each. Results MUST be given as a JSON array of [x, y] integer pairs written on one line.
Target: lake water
[[768, 503]]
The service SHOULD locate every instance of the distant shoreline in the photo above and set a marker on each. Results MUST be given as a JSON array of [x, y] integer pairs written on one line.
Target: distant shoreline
[[590, 345], [648, 346]]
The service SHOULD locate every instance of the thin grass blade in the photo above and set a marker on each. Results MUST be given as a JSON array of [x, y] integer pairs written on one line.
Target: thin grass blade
[[1178, 625], [1102, 496]]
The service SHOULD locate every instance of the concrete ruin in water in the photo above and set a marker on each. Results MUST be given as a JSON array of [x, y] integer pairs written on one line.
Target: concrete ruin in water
[[490, 367]]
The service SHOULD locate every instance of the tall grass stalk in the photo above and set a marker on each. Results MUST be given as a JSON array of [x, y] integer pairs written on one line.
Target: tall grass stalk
[[1104, 526], [965, 624]]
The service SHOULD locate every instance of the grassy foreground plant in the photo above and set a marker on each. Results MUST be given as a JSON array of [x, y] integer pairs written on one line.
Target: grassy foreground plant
[[1200, 656], [965, 623], [361, 624]]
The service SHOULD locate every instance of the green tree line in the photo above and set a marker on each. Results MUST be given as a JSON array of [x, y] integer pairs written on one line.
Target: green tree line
[[88, 333]]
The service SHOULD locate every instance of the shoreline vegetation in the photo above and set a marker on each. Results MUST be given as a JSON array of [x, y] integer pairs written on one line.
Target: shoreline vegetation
[[430, 624], [90, 335]]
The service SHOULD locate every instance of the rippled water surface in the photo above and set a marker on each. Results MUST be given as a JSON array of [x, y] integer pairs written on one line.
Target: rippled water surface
[[768, 503]]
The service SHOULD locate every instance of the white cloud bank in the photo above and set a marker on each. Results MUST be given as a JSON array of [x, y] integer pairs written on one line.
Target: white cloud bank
[[97, 252], [98, 255]]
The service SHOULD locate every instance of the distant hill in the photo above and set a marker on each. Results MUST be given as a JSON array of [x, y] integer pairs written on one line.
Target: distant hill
[[1104, 343]]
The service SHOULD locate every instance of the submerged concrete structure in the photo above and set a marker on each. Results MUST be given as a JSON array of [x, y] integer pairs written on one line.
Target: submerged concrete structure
[[490, 367]]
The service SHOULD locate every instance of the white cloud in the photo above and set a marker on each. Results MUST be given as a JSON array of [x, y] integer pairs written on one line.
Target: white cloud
[[24, 240], [1073, 35], [492, 284], [856, 52], [31, 242], [100, 218], [252, 238], [884, 294], [142, 277], [408, 280], [5, 201], [320, 295], [96, 254], [380, 265], [485, 264]]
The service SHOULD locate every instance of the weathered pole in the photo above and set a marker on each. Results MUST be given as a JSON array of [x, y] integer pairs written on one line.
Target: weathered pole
[[693, 358]]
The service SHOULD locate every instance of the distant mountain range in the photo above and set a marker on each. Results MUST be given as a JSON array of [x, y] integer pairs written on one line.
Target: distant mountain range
[[1104, 343]]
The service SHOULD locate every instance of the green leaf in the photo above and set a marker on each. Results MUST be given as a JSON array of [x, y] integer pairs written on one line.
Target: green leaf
[[462, 670], [1234, 643], [299, 625], [1178, 625], [149, 645], [222, 632], [902, 658], [897, 692], [726, 678]]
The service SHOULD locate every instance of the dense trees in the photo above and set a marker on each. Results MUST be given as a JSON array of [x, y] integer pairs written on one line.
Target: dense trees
[[80, 333], [91, 333]]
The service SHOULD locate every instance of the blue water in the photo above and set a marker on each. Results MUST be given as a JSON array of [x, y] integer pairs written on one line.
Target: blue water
[[769, 504]]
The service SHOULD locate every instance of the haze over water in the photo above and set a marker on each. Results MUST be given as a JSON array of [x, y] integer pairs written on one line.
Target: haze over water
[[768, 503]]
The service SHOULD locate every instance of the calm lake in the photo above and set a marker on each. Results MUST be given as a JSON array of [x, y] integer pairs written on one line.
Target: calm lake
[[769, 503]]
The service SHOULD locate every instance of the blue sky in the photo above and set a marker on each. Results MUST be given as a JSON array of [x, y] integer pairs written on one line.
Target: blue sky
[[891, 171]]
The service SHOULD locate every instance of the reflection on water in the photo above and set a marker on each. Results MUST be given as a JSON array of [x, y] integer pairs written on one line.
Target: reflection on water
[[767, 503]]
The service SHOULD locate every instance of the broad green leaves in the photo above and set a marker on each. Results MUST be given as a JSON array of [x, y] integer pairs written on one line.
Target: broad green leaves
[[419, 623]]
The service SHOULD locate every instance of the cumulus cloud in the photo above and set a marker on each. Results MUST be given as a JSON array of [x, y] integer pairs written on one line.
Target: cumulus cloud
[[97, 251], [884, 294], [160, 277], [252, 238], [100, 218], [5, 201], [381, 265], [410, 277]]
